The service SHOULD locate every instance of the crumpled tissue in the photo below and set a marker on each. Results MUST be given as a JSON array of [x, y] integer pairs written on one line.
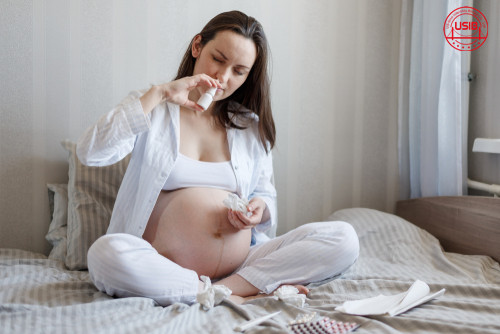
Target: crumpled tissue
[[235, 203], [290, 294], [212, 294]]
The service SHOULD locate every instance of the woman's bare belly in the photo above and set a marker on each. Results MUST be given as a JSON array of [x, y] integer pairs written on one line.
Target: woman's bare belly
[[190, 227]]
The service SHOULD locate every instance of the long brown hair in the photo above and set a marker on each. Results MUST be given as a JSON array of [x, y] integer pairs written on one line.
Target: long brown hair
[[254, 94]]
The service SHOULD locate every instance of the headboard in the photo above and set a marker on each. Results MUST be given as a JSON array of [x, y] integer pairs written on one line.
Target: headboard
[[463, 224]]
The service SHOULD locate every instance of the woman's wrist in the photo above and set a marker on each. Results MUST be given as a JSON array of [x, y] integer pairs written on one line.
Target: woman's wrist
[[152, 98], [258, 201], [266, 214]]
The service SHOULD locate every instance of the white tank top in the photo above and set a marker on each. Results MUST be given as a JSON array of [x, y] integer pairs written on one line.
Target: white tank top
[[188, 172]]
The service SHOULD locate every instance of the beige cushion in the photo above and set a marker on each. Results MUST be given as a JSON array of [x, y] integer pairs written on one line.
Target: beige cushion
[[57, 234], [91, 196]]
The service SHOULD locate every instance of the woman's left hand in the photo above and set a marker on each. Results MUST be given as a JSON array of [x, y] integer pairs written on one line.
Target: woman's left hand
[[256, 208]]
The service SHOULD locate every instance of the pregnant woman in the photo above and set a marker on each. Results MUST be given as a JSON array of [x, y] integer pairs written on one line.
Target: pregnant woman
[[169, 225]]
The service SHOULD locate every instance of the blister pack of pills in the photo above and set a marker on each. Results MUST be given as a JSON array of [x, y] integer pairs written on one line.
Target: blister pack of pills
[[310, 324]]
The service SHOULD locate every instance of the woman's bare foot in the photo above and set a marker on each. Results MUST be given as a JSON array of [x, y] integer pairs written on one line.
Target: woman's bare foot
[[237, 299], [302, 289], [241, 300], [243, 291]]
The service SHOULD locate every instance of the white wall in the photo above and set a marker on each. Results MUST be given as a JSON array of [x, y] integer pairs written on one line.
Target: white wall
[[334, 90]]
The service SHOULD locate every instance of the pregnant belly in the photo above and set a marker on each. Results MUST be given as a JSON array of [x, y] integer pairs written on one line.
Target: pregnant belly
[[190, 227]]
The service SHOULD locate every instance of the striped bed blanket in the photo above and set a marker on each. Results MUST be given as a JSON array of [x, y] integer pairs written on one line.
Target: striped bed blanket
[[38, 295]]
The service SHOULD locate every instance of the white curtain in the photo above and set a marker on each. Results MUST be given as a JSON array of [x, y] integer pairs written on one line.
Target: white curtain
[[433, 107], [484, 117]]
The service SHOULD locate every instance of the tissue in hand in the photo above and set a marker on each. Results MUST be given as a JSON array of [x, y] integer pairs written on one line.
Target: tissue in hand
[[235, 203]]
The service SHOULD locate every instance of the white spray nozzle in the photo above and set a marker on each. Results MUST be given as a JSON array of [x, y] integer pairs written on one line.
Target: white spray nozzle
[[207, 98]]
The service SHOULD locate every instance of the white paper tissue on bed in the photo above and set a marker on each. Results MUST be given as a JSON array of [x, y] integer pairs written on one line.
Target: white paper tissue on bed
[[290, 294], [212, 294], [235, 203], [393, 305]]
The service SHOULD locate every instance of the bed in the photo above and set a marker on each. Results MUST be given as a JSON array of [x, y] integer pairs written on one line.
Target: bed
[[40, 294]]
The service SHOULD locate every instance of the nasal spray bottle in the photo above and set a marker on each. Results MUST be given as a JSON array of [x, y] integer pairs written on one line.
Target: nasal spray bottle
[[207, 98]]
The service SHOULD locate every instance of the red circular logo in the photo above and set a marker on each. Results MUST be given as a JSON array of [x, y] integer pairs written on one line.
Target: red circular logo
[[465, 29]]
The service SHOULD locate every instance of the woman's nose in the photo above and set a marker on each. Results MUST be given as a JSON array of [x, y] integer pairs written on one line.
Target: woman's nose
[[222, 75]]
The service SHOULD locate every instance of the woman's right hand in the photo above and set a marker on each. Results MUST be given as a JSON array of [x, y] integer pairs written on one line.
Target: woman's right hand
[[177, 92]]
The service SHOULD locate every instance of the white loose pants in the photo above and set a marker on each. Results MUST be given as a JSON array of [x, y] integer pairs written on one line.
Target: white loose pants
[[124, 265]]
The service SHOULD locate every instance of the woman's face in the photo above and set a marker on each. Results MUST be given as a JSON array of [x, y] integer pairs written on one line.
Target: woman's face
[[228, 57]]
